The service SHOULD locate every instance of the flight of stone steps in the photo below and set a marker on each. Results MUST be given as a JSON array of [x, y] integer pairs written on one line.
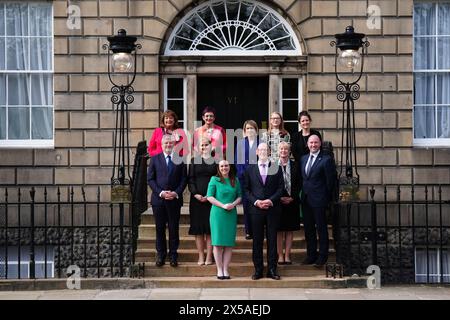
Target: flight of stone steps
[[189, 274]]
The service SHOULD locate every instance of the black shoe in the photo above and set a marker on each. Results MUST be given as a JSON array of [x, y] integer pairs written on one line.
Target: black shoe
[[220, 277], [320, 262], [173, 263], [309, 261], [248, 237], [273, 275], [160, 262], [257, 276], [226, 278]]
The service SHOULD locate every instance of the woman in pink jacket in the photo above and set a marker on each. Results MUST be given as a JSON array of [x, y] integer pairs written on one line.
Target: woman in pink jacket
[[168, 125]]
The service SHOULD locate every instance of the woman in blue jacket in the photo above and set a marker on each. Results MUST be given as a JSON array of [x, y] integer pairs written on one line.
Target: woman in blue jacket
[[245, 154]]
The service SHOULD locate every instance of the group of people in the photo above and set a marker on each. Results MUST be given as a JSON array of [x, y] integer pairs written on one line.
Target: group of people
[[273, 176]]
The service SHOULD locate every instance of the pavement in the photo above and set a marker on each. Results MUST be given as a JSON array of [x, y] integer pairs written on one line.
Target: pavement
[[407, 292]]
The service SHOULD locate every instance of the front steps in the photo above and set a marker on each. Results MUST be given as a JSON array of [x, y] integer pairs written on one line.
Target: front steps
[[189, 274]]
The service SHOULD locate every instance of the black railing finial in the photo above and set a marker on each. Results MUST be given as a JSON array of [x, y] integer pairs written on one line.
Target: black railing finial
[[372, 193]]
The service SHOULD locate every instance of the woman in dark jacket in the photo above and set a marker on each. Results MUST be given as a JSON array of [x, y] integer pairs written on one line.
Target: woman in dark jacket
[[300, 139], [201, 169], [290, 202]]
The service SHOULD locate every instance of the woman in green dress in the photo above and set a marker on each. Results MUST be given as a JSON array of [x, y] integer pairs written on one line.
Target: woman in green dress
[[224, 193]]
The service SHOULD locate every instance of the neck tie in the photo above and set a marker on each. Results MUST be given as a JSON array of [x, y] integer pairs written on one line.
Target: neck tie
[[169, 165], [308, 168], [263, 173]]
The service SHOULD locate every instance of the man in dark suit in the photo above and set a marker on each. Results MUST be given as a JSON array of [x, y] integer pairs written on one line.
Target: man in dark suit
[[167, 177], [264, 187], [318, 175]]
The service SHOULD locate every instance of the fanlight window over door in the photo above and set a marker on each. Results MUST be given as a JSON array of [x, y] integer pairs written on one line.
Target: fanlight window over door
[[233, 27]]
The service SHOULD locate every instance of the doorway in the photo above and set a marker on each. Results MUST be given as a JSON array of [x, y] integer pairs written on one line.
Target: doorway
[[236, 99]]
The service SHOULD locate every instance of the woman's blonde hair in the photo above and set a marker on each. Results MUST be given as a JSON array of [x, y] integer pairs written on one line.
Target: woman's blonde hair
[[252, 123], [283, 131]]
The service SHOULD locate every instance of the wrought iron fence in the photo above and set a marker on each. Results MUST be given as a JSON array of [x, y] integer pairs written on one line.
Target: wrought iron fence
[[42, 235], [405, 231]]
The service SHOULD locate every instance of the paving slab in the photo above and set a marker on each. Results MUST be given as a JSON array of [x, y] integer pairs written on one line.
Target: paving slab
[[69, 295], [174, 294], [277, 294], [135, 294], [225, 294]]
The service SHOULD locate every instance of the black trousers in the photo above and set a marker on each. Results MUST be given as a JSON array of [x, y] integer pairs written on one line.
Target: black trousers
[[313, 217], [265, 223], [168, 214]]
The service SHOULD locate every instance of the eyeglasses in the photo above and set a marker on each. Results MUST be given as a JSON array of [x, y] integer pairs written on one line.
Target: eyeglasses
[[275, 118]]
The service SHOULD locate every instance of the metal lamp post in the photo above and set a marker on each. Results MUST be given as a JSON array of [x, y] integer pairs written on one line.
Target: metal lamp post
[[348, 45], [121, 61]]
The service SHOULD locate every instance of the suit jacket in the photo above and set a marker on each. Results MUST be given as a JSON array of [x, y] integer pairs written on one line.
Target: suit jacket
[[299, 146], [256, 190], [181, 143], [318, 185], [158, 179], [295, 182], [244, 155]]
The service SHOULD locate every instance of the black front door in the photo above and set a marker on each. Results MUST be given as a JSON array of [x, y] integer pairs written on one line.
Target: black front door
[[235, 100]]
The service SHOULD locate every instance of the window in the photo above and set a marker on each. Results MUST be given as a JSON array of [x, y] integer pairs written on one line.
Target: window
[[175, 98], [291, 102], [39, 257], [230, 27], [432, 73], [26, 74], [434, 264]]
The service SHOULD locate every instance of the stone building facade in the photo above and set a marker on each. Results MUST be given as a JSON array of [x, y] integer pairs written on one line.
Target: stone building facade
[[84, 117]]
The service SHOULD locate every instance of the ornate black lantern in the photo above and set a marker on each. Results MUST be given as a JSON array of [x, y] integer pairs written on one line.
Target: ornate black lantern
[[349, 56], [121, 61]]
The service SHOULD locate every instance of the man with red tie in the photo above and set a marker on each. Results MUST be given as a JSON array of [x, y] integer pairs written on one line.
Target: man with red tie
[[264, 186]]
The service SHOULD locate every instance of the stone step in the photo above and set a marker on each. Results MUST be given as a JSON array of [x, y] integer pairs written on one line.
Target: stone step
[[148, 218], [239, 255], [317, 282], [245, 269], [149, 231], [189, 243]]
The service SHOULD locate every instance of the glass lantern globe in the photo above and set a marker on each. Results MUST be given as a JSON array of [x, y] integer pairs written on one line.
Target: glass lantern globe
[[349, 58], [122, 62]]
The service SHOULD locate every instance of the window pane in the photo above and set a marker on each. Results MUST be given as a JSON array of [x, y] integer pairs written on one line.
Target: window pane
[[41, 54], [17, 53], [2, 19], [2, 123], [18, 89], [175, 88], [41, 89], [2, 90], [423, 88], [177, 107], [424, 19], [424, 54], [424, 122], [444, 22], [41, 123], [292, 127], [16, 19], [290, 88], [19, 123], [444, 53], [2, 53], [443, 88], [290, 110], [40, 19], [443, 119]]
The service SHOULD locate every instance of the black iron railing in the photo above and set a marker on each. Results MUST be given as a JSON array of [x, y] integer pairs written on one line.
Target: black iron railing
[[42, 237], [405, 232]]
